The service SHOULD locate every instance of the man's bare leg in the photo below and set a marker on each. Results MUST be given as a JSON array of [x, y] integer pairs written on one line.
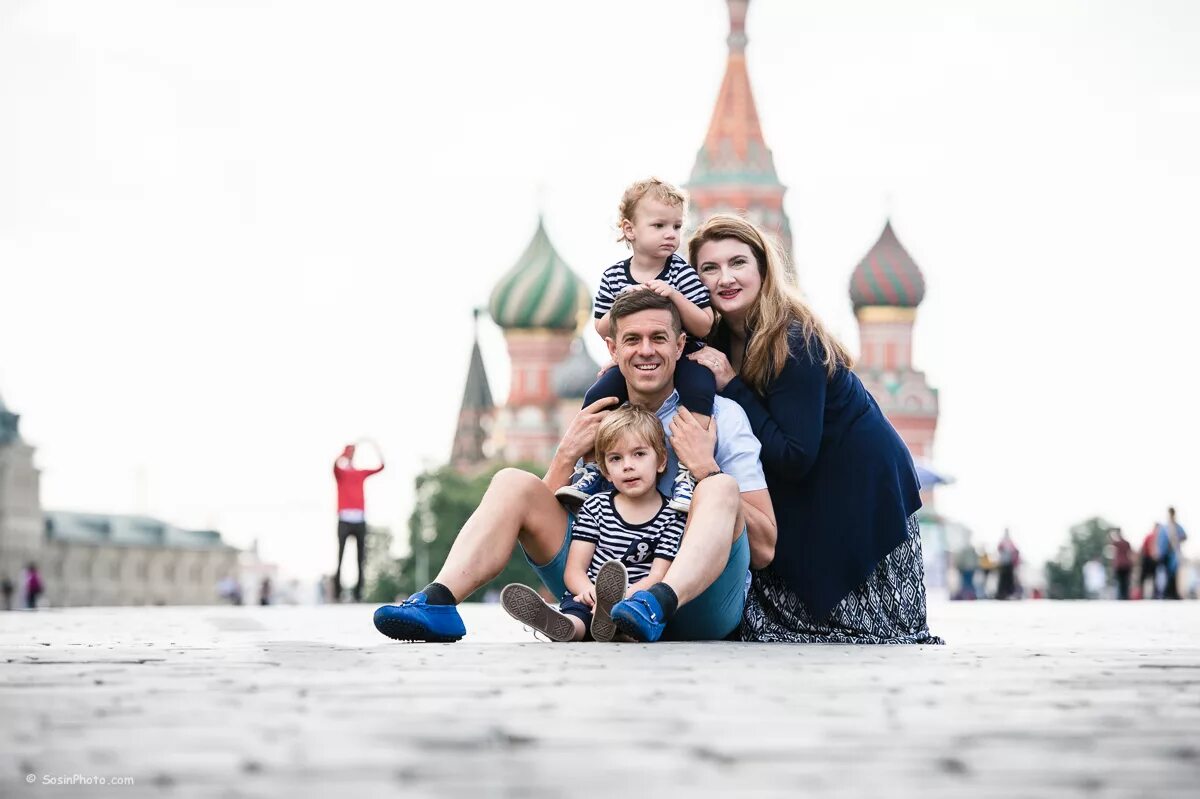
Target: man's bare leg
[[517, 506], [713, 525]]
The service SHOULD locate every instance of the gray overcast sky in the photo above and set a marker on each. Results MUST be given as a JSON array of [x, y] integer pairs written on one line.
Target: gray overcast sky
[[235, 235]]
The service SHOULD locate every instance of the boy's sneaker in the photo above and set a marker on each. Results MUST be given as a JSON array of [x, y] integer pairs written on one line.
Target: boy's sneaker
[[681, 495], [585, 482], [415, 619], [523, 604], [640, 617], [612, 582]]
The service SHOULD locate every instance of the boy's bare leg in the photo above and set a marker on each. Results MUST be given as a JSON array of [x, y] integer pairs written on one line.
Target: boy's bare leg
[[517, 506], [713, 525]]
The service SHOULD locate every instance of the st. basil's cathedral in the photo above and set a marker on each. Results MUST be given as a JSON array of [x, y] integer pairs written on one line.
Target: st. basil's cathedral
[[542, 305]]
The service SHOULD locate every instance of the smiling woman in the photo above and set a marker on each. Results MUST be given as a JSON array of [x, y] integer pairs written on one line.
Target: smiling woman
[[847, 565]]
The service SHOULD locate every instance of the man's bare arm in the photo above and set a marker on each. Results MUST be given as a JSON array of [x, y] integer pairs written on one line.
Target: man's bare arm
[[760, 526]]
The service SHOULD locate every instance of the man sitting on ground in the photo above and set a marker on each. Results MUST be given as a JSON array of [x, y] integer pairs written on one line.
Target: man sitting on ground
[[731, 526]]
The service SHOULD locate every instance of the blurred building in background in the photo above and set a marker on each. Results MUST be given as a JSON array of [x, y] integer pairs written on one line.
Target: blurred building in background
[[96, 558]]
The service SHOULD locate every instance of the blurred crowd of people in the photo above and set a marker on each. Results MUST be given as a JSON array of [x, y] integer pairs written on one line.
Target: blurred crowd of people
[[1157, 564], [1121, 569], [989, 575]]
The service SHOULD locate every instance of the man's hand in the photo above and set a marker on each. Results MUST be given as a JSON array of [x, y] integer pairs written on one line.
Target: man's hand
[[693, 444], [580, 437], [587, 596]]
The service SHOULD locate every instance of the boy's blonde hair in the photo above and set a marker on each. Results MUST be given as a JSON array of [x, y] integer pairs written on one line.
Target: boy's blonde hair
[[631, 419], [650, 187]]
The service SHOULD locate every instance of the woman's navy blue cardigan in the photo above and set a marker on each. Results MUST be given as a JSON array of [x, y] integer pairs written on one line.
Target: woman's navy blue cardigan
[[841, 480]]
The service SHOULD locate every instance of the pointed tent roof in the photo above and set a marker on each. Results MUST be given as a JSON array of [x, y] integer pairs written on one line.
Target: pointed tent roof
[[477, 394], [887, 275], [734, 148], [540, 291], [476, 404]]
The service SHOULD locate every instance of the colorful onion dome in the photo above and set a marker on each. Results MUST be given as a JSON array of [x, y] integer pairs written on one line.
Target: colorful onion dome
[[572, 378], [887, 275], [540, 291]]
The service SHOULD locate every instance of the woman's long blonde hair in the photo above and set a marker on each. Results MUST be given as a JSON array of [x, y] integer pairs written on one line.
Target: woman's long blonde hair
[[779, 304]]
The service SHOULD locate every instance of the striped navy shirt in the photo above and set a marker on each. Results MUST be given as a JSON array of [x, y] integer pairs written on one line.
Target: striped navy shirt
[[635, 545], [676, 271]]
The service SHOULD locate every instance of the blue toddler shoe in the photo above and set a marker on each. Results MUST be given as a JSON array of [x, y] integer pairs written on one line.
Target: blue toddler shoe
[[639, 617], [416, 620], [586, 481]]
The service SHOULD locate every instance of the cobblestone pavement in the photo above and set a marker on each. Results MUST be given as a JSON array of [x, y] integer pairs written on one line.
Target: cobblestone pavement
[[1028, 699]]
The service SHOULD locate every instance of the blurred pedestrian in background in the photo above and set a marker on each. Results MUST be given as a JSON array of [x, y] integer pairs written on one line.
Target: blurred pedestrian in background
[[1149, 567], [1010, 559], [229, 588], [987, 565], [264, 591], [966, 561], [352, 514], [1122, 561], [33, 586], [1170, 538]]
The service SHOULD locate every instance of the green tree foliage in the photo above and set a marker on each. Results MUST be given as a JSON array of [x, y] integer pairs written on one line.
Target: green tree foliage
[[445, 500], [1088, 541], [382, 576]]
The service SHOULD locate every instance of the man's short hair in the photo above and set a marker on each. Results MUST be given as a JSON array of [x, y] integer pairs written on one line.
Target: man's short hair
[[630, 302]]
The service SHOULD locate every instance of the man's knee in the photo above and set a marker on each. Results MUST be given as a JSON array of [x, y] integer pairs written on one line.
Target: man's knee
[[720, 489], [511, 481]]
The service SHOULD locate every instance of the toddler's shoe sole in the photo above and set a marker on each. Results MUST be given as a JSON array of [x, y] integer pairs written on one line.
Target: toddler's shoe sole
[[678, 506], [570, 497], [523, 604], [611, 584]]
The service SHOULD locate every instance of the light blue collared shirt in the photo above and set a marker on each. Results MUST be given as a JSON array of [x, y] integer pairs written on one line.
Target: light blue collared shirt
[[737, 448]]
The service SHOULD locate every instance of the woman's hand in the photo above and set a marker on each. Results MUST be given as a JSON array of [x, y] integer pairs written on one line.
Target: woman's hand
[[717, 363], [609, 365]]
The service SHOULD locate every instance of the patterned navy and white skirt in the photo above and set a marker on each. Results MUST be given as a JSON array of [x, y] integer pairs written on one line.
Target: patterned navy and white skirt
[[889, 608]]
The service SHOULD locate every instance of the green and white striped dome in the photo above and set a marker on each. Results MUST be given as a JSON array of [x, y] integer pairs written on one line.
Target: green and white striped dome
[[541, 291]]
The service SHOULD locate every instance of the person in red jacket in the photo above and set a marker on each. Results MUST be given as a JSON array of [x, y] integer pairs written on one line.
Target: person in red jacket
[[352, 516]]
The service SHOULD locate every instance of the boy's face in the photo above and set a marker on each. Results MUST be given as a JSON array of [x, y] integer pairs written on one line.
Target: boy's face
[[655, 228], [632, 466]]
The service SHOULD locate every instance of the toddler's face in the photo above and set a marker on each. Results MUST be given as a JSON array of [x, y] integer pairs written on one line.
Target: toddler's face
[[655, 228], [632, 466]]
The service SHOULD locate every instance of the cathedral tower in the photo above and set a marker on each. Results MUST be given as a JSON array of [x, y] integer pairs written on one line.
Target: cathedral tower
[[734, 170], [540, 304], [885, 289], [470, 448]]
